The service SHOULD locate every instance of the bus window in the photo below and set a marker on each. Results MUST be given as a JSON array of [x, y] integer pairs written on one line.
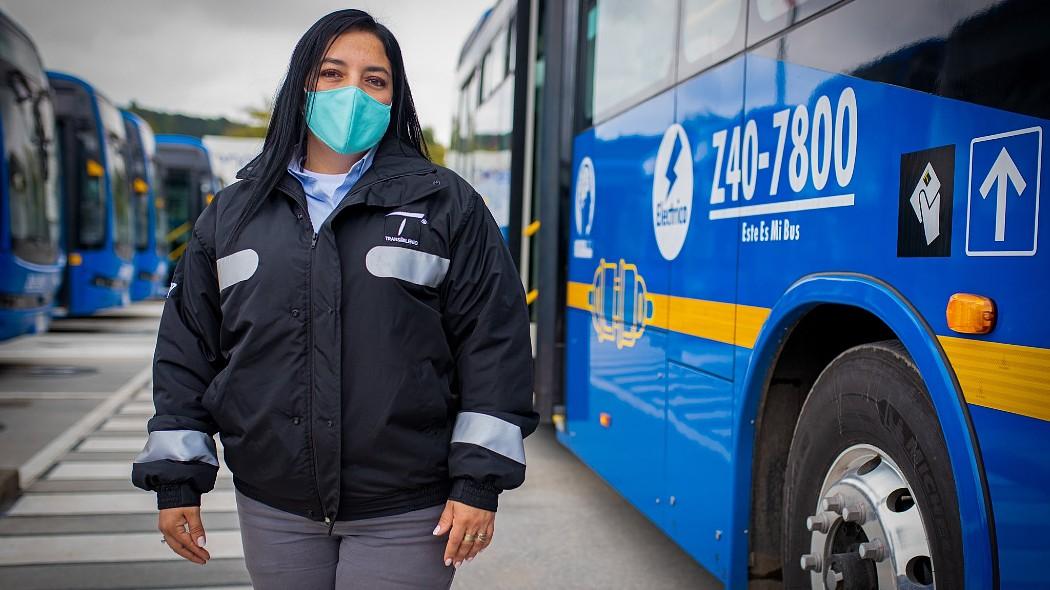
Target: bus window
[[511, 51], [113, 131], [136, 180], [33, 223], [91, 229], [711, 30], [177, 205], [633, 52], [495, 64], [769, 17]]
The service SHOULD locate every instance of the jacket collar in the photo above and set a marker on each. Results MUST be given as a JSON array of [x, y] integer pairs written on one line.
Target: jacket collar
[[397, 176]]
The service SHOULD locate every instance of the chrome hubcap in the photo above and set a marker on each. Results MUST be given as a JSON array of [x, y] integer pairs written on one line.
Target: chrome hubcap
[[867, 531]]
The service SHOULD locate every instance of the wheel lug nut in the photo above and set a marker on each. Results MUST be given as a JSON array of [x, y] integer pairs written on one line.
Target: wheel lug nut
[[873, 550], [833, 580], [820, 522], [833, 503], [811, 562], [854, 513]]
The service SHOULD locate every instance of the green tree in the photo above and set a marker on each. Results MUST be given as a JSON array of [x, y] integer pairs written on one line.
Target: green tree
[[437, 151]]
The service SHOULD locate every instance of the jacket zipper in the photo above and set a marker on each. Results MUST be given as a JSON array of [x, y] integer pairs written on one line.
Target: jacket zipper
[[310, 396], [329, 520]]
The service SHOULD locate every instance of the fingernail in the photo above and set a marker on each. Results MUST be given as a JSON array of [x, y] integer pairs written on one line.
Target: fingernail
[[448, 562], [459, 563], [437, 529], [201, 542], [470, 559]]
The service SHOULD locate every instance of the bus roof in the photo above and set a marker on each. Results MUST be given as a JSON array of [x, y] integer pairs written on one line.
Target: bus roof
[[473, 35], [63, 76], [18, 48], [177, 139]]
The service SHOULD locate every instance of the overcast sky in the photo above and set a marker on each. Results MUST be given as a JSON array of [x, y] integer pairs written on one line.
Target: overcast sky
[[219, 57]]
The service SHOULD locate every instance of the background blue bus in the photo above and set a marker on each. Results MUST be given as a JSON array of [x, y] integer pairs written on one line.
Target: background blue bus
[[96, 205], [790, 297], [150, 227], [188, 186], [31, 259]]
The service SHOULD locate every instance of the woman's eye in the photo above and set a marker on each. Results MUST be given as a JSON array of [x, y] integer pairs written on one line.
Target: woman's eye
[[377, 82], [329, 73]]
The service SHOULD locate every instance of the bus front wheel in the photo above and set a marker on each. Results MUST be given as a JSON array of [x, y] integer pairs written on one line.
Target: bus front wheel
[[869, 496]]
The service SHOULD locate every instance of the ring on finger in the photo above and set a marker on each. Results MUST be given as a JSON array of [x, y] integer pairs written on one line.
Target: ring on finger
[[469, 538]]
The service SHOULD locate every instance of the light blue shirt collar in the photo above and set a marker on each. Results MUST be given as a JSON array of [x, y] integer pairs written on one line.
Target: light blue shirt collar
[[317, 202]]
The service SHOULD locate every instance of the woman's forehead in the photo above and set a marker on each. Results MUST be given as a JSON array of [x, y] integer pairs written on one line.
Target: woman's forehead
[[357, 48]]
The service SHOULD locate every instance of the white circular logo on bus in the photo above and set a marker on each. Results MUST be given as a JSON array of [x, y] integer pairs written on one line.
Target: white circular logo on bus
[[585, 197], [672, 191]]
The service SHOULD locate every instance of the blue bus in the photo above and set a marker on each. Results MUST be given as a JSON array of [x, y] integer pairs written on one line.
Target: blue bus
[[150, 226], [96, 204], [31, 258], [187, 186], [488, 146], [789, 282]]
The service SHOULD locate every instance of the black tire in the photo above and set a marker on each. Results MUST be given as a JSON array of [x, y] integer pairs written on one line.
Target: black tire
[[872, 394]]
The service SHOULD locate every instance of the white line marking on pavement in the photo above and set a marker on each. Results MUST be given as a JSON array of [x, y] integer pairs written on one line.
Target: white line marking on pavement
[[85, 503], [43, 549], [101, 470], [138, 408], [125, 424], [53, 395], [213, 588], [31, 470]]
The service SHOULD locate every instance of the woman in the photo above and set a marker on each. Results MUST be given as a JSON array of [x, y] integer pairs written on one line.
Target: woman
[[349, 320]]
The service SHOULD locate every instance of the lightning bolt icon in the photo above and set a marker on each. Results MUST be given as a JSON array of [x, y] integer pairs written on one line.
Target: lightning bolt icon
[[670, 173]]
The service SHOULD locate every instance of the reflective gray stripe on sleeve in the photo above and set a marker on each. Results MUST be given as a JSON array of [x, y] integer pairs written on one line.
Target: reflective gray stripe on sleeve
[[421, 268], [496, 435], [179, 445], [236, 267]]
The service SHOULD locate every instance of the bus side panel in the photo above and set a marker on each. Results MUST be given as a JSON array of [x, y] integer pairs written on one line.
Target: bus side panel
[[1018, 471], [916, 203]]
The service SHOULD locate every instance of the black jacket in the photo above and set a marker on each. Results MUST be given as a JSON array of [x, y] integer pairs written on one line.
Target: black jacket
[[378, 366]]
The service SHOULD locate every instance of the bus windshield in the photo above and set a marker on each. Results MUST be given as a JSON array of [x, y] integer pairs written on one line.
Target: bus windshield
[[136, 181], [177, 199], [113, 128], [28, 126]]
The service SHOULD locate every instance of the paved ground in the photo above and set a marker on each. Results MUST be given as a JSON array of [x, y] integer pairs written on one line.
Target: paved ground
[[82, 525]]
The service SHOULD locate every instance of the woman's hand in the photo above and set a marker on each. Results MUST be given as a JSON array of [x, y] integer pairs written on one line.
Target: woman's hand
[[184, 532], [465, 520]]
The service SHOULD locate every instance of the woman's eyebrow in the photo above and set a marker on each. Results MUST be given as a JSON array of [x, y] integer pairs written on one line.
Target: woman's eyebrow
[[342, 63], [377, 69]]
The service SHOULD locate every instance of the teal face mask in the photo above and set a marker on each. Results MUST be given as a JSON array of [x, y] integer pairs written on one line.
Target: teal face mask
[[346, 119]]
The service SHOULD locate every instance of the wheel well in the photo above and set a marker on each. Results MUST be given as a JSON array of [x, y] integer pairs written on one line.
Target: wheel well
[[819, 336]]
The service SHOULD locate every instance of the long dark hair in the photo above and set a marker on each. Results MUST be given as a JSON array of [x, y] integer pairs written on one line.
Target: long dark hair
[[288, 123]]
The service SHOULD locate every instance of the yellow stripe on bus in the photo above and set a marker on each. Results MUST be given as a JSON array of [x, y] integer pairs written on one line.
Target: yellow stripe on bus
[[1006, 377], [713, 320], [578, 295]]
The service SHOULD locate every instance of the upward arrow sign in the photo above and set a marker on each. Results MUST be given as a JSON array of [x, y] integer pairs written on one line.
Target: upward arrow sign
[[1002, 170]]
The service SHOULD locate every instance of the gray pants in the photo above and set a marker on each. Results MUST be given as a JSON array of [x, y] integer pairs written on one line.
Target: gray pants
[[400, 552]]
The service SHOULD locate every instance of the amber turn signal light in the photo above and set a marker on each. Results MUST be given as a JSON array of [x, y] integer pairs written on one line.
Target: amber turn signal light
[[605, 419], [970, 314]]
